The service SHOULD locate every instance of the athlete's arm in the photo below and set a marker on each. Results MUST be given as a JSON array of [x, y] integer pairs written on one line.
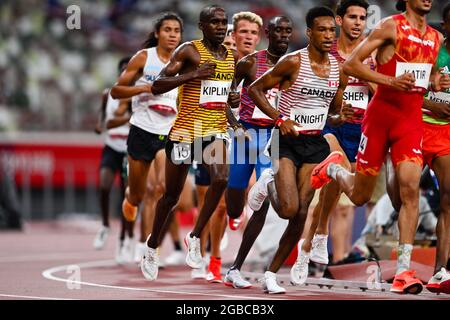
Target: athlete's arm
[[385, 33], [102, 114], [117, 121], [440, 110], [124, 88], [124, 106], [439, 81], [182, 67], [284, 74], [243, 70]]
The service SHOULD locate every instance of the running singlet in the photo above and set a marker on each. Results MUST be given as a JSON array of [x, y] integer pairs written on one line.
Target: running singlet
[[308, 100], [443, 61], [116, 138], [357, 91], [415, 54], [153, 113], [248, 111], [202, 103]]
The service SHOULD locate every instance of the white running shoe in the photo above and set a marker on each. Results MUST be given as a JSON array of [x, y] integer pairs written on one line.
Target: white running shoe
[[139, 251], [176, 258], [270, 284], [199, 273], [101, 237], [194, 257], [299, 271], [234, 279], [319, 250], [440, 282], [130, 248], [258, 193], [120, 252], [224, 241], [150, 263]]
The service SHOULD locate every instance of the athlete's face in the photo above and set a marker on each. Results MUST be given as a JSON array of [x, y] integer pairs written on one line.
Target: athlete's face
[[246, 36], [215, 28], [353, 23], [279, 35], [169, 35], [420, 6], [229, 41], [322, 33]]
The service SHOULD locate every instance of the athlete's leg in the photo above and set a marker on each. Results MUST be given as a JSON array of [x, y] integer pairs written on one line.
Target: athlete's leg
[[296, 223], [215, 158], [175, 179], [149, 204], [392, 186], [106, 181], [341, 224], [441, 166]]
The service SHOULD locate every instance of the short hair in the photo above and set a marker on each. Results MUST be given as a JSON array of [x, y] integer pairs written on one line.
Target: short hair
[[343, 5], [273, 20], [246, 15], [206, 12], [401, 5], [317, 12], [122, 62], [230, 29], [445, 13]]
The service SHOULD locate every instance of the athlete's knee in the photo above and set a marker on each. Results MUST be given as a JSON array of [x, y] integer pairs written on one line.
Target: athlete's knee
[[170, 200], [220, 181], [409, 191], [361, 199], [287, 211]]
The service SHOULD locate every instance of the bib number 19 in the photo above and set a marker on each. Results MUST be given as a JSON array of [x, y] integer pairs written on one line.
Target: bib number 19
[[181, 151]]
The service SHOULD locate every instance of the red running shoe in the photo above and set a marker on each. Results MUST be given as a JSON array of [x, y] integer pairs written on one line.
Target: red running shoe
[[406, 282], [319, 176]]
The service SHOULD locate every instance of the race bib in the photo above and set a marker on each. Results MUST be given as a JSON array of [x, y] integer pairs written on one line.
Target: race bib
[[310, 119], [214, 94], [357, 96], [272, 97], [181, 151], [421, 71], [439, 97]]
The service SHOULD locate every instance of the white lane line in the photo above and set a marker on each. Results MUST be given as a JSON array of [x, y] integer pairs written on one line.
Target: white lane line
[[46, 257], [31, 297], [48, 274]]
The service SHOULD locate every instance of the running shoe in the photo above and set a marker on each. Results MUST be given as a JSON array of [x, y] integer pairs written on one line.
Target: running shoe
[[236, 224], [194, 256], [150, 264], [440, 282], [258, 193], [234, 279], [299, 271], [406, 282], [319, 175], [101, 237], [176, 258], [270, 284], [214, 269]]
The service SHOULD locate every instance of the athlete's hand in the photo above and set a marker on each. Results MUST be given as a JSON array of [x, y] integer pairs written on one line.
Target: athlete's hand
[[98, 128], [442, 81], [234, 99], [290, 128], [146, 88], [240, 132], [405, 82], [347, 111], [205, 70]]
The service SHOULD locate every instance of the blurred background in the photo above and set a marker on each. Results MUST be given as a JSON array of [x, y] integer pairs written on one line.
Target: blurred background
[[52, 79]]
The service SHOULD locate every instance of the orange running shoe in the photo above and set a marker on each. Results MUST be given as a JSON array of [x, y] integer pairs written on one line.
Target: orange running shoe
[[406, 282], [236, 224], [129, 211], [319, 176], [214, 268]]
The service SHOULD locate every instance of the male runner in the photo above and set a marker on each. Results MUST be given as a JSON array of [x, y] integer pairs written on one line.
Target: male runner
[[205, 70], [343, 135], [407, 49], [310, 85]]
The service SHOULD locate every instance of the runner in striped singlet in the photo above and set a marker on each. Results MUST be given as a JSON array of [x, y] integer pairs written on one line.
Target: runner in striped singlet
[[203, 69], [311, 86]]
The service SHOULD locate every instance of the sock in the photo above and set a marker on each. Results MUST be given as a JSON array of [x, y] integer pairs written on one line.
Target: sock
[[177, 245], [129, 211], [404, 257], [333, 169]]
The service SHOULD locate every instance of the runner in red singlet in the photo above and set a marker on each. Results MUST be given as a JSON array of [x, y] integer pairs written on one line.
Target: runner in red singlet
[[407, 49]]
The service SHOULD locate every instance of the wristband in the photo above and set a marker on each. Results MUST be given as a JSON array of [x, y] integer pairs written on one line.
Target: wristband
[[280, 120]]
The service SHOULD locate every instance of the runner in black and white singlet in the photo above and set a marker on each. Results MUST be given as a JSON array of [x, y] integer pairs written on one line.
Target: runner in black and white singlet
[[153, 115], [311, 86], [111, 163]]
